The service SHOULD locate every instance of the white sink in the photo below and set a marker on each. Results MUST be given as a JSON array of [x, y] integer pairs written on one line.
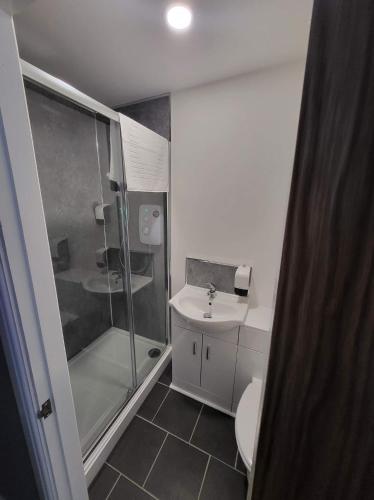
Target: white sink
[[228, 311], [103, 283], [112, 283]]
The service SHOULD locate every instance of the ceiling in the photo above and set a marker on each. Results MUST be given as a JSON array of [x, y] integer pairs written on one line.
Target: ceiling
[[120, 51]]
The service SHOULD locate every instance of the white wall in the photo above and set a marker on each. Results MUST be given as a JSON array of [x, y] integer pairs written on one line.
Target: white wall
[[233, 145]]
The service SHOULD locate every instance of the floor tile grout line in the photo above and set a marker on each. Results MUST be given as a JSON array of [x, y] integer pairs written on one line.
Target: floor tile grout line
[[225, 463], [204, 476], [163, 383], [174, 435], [155, 460], [191, 444], [159, 408], [197, 421], [131, 481], [114, 485]]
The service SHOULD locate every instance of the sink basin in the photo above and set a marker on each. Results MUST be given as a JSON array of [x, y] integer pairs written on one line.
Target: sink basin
[[103, 283], [112, 283], [228, 311]]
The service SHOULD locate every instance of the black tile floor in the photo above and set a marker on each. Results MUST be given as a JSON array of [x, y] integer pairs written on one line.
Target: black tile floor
[[174, 449]]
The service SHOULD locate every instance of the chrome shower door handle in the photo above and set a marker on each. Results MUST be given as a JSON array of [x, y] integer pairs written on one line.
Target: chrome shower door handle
[[194, 348], [207, 353]]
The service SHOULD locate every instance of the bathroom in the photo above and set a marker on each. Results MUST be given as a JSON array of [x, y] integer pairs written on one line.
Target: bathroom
[[174, 214]]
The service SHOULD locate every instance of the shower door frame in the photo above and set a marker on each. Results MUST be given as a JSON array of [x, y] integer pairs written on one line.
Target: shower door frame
[[35, 349], [101, 449], [34, 345], [58, 88]]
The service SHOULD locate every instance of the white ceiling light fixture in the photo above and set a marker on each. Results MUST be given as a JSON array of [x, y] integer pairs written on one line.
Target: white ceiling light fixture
[[179, 17]]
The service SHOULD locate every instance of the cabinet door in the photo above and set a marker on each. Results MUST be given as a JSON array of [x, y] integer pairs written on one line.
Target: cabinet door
[[218, 368], [186, 356]]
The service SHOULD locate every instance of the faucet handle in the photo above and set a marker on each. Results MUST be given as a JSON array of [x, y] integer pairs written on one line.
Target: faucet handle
[[212, 287]]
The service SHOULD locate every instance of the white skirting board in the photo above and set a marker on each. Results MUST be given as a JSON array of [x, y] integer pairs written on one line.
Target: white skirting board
[[98, 456], [201, 399]]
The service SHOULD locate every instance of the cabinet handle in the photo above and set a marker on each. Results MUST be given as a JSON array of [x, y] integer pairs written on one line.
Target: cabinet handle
[[207, 352], [194, 348]]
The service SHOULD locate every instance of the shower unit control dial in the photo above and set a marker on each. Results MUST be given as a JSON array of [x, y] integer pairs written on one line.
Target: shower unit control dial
[[150, 224]]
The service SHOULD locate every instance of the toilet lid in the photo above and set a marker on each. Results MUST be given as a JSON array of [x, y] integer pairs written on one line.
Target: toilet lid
[[246, 421]]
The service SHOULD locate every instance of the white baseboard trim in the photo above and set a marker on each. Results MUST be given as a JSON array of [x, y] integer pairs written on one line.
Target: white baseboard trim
[[100, 453], [201, 399]]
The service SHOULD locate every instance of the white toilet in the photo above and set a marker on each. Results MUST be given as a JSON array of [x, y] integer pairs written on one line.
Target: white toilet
[[246, 421]]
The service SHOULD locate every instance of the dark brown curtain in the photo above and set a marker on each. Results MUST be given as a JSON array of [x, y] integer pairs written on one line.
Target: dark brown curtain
[[317, 433]]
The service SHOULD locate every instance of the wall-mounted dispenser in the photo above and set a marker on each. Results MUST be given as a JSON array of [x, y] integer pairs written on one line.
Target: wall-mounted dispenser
[[151, 222], [242, 280], [101, 212], [101, 257]]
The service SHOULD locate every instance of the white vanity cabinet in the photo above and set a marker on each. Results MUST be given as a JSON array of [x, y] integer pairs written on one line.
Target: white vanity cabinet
[[187, 347], [216, 368], [204, 366]]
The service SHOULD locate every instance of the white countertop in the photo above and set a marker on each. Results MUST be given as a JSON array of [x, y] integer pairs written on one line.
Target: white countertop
[[260, 318], [138, 282]]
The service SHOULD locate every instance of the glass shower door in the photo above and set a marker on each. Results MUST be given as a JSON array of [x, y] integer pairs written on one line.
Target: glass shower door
[[76, 152], [145, 213], [149, 275]]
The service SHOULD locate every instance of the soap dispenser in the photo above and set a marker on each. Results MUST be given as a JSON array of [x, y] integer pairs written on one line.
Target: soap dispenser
[[242, 280]]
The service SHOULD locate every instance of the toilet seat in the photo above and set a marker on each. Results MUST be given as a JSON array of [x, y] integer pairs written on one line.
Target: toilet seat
[[246, 421]]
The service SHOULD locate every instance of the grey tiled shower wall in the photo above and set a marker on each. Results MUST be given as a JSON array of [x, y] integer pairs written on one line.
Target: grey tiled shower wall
[[71, 146], [73, 157], [152, 113]]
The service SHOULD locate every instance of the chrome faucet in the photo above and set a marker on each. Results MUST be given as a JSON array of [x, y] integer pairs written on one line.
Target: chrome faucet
[[211, 294], [116, 275], [212, 290]]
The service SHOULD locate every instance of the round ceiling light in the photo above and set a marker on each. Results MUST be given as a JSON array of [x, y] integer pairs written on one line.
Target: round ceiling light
[[179, 17]]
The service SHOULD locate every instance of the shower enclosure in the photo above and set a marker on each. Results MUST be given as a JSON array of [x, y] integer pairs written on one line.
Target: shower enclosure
[[112, 285]]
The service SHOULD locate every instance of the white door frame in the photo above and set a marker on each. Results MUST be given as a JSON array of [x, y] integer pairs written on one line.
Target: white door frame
[[36, 344]]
